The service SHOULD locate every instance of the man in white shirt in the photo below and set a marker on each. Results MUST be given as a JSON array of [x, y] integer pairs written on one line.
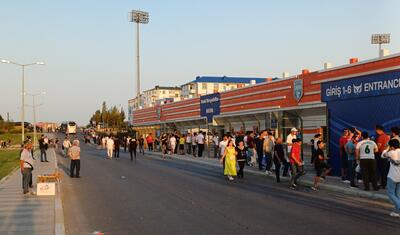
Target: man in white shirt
[[200, 143], [289, 138], [365, 153], [222, 145], [110, 147], [66, 145], [172, 144], [216, 143], [74, 154], [188, 143], [26, 165]]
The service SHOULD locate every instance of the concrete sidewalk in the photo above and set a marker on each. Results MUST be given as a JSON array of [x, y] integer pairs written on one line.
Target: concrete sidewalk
[[333, 184], [20, 214]]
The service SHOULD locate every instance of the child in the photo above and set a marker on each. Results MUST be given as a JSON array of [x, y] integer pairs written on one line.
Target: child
[[321, 167], [296, 163]]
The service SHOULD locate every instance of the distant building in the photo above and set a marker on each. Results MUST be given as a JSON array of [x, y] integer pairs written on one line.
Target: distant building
[[158, 95], [203, 85]]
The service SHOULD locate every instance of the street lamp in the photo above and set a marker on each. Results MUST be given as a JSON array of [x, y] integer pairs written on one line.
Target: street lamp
[[33, 106], [139, 17], [23, 91], [380, 39]]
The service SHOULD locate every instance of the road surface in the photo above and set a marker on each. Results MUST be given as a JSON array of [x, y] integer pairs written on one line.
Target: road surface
[[154, 196]]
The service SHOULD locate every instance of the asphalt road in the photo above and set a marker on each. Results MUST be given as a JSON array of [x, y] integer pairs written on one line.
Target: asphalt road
[[175, 197]]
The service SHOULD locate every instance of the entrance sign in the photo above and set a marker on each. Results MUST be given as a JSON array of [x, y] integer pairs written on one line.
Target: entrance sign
[[210, 106], [364, 86]]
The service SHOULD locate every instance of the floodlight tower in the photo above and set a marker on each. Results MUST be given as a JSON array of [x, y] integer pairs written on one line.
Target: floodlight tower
[[139, 17], [380, 39]]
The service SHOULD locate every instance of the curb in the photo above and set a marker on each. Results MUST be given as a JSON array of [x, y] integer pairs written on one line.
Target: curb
[[331, 188], [59, 227]]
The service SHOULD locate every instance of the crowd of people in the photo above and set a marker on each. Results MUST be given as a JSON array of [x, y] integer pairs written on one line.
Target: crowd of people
[[372, 160]]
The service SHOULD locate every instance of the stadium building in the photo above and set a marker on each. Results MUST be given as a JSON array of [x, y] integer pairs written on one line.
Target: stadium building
[[359, 94]]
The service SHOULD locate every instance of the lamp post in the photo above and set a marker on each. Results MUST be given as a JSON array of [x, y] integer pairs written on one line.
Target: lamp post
[[139, 17], [33, 106], [23, 91], [380, 39]]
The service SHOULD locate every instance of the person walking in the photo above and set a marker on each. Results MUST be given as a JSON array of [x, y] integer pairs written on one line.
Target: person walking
[[350, 148], [393, 177], [321, 166], [230, 161], [125, 143], [164, 145], [296, 163], [290, 138], [215, 140], [103, 142], [110, 147], [194, 144], [172, 144], [268, 148], [241, 151], [200, 143], [117, 146], [26, 165], [182, 145], [259, 144], [74, 154], [189, 143], [43, 147], [132, 148], [141, 144], [382, 164], [365, 153], [150, 142], [279, 159], [66, 145]]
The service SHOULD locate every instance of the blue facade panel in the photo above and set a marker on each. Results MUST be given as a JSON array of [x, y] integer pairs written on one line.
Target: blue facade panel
[[361, 102]]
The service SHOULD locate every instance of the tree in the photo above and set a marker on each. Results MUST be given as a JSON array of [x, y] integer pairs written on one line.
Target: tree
[[122, 116], [1, 118], [114, 116], [104, 113]]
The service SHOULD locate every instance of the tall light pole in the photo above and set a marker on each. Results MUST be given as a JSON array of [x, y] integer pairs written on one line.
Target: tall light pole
[[380, 39], [23, 92], [33, 106], [139, 17]]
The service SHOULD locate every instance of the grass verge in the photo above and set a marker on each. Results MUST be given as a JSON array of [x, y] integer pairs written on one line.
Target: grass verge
[[9, 159]]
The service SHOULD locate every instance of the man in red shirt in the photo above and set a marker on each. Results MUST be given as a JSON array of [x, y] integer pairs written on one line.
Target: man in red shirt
[[150, 140], [382, 164], [296, 163]]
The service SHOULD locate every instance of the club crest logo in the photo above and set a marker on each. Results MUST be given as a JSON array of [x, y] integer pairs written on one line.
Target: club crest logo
[[298, 89], [357, 89]]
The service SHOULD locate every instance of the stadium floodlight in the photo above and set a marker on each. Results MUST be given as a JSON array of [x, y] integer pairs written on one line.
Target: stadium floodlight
[[138, 17], [380, 39]]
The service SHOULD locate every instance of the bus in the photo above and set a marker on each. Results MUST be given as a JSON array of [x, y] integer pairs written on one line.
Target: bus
[[68, 127]]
